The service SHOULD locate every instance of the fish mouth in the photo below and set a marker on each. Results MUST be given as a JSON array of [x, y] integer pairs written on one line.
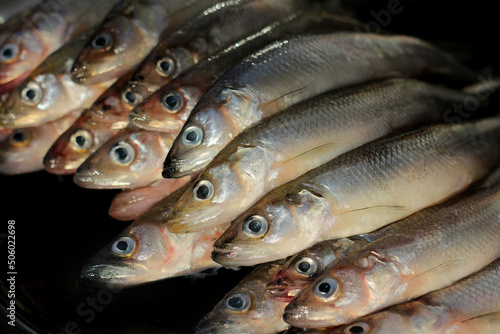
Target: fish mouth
[[96, 276], [172, 169], [284, 291], [304, 317], [234, 256], [55, 164], [214, 326], [79, 73]]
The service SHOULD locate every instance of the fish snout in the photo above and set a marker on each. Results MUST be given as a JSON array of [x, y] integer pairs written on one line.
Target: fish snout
[[79, 72]]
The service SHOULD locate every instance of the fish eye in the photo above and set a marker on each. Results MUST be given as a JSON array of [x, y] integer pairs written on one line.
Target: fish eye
[[203, 190], [123, 246], [122, 153], [131, 98], [102, 42], [20, 137], [192, 136], [8, 53], [326, 288], [171, 101], [31, 94], [238, 302], [80, 140], [255, 226], [165, 66], [305, 267], [357, 328]]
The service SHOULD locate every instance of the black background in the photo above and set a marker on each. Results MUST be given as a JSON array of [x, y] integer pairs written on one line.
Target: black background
[[59, 226]]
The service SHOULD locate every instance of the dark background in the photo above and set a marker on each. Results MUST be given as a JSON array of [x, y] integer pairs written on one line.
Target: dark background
[[59, 226]]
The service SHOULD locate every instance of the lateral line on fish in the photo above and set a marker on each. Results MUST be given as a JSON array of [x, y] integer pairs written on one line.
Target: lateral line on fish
[[315, 149], [491, 317], [376, 207], [287, 94], [444, 267]]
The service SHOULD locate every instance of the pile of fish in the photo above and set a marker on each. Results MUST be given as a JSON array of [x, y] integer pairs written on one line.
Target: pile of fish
[[273, 134]]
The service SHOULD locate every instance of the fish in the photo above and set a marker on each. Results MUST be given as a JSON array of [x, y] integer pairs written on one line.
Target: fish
[[10, 9], [292, 70], [304, 267], [48, 92], [291, 142], [169, 107], [97, 124], [216, 28], [26, 40], [146, 252], [471, 305], [128, 33], [130, 204], [362, 190], [432, 254], [132, 158], [247, 308], [22, 150]]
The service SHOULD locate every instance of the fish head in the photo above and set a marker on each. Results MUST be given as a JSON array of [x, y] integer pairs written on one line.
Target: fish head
[[18, 52], [34, 102], [275, 227], [135, 256], [18, 151], [131, 158], [246, 308], [299, 271], [111, 52], [167, 109], [345, 292]]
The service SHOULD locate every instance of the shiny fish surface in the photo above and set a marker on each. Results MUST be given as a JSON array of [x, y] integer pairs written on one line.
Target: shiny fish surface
[[169, 107], [23, 149], [432, 254], [292, 70], [247, 308], [130, 204], [11, 8], [362, 190], [471, 305], [213, 30], [145, 252], [26, 40], [131, 158], [128, 33], [97, 124], [48, 92], [305, 136]]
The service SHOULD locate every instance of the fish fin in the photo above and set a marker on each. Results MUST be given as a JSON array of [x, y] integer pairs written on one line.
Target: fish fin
[[375, 207], [490, 317], [313, 151], [282, 96]]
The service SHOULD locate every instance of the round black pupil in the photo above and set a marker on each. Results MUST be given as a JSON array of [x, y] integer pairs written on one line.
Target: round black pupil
[[191, 136], [8, 52], [356, 330], [171, 101], [121, 153], [324, 287], [130, 97], [101, 41], [255, 226], [80, 140], [165, 66], [30, 94], [235, 302], [202, 192], [122, 245], [304, 266], [18, 136]]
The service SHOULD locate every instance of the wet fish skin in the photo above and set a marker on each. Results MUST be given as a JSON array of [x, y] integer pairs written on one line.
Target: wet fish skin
[[23, 149], [128, 33], [10, 9], [213, 30], [257, 314], [363, 190], [302, 137], [463, 307], [48, 92], [267, 82], [432, 254], [152, 252], [97, 124], [131, 158], [187, 89], [29, 38], [130, 204]]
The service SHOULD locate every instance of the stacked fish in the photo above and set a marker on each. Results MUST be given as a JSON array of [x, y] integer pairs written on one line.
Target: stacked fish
[[272, 134]]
